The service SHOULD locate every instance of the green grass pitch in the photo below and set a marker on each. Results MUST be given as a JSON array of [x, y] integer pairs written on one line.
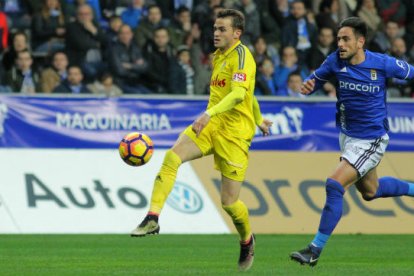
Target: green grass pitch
[[199, 255]]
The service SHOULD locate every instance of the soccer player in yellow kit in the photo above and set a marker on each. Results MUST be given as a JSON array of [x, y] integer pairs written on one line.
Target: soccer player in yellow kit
[[225, 129]]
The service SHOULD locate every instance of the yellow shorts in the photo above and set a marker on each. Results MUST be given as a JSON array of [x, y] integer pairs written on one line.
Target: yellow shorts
[[230, 153]]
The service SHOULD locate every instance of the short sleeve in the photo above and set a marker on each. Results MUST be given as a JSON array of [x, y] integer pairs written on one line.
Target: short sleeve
[[400, 69]]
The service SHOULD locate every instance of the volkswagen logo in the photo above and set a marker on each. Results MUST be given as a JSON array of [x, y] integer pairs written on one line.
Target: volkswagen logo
[[185, 199]]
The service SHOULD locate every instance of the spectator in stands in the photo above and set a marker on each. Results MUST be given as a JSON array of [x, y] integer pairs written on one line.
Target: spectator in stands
[[397, 87], [203, 11], [72, 7], [127, 63], [392, 10], [262, 50], [382, 40], [4, 32], [160, 54], [345, 9], [252, 29], [23, 77], [271, 20], [409, 26], [189, 4], [322, 48], [298, 31], [207, 31], [202, 63], [292, 89], [180, 27], [283, 7], [265, 83], [18, 14], [55, 74], [19, 43], [73, 84], [318, 54], [289, 64], [105, 86], [367, 11], [134, 13], [111, 34], [181, 77], [83, 43], [48, 27], [145, 31], [328, 14]]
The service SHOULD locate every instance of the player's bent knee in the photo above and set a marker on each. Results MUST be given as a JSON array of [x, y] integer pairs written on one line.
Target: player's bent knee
[[228, 207], [227, 202], [172, 159]]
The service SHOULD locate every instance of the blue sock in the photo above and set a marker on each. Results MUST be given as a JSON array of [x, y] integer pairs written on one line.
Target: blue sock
[[391, 187], [331, 213]]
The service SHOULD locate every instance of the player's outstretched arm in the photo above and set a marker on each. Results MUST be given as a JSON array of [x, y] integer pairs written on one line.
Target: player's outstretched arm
[[235, 97], [307, 86], [263, 124]]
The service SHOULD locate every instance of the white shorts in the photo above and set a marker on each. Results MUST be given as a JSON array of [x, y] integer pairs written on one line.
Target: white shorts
[[363, 155]]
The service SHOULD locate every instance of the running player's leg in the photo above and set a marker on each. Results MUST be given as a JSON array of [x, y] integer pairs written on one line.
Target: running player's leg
[[185, 149], [231, 159], [371, 187], [336, 184], [237, 210]]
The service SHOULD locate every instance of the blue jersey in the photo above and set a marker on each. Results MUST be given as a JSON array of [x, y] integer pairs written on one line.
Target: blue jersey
[[361, 91]]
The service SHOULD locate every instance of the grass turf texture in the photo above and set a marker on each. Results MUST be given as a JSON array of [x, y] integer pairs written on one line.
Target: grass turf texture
[[199, 255]]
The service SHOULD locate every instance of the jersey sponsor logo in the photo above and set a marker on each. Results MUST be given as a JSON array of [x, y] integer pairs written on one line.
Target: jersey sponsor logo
[[3, 115], [185, 199], [216, 82], [373, 74], [239, 77], [359, 87]]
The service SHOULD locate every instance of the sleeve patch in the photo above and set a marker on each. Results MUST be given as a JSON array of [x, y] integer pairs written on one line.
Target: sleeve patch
[[239, 77]]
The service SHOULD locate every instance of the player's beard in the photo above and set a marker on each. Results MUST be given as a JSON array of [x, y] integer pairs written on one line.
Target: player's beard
[[349, 56]]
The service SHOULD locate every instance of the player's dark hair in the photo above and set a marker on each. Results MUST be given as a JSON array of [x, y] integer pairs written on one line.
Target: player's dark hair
[[357, 24], [237, 18]]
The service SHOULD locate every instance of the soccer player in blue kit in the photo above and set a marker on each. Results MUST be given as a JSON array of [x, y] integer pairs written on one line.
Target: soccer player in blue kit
[[362, 119]]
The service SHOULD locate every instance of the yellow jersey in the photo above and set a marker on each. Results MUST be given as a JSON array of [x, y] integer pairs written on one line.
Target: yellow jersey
[[234, 68]]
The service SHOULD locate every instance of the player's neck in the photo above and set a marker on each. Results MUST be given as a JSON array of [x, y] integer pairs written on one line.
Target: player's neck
[[358, 58], [225, 49]]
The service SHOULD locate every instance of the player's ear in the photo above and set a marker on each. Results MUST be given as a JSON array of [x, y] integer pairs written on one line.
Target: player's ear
[[237, 33], [361, 42]]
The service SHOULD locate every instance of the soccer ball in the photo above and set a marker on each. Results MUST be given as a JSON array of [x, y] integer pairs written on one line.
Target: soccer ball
[[136, 149]]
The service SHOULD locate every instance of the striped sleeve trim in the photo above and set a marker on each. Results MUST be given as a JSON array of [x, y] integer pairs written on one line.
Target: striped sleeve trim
[[242, 56], [409, 69], [319, 78]]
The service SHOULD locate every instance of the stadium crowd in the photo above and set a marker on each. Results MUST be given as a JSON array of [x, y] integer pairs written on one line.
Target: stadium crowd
[[116, 47]]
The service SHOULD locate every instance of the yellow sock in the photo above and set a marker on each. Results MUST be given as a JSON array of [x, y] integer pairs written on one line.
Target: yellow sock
[[164, 182], [240, 216]]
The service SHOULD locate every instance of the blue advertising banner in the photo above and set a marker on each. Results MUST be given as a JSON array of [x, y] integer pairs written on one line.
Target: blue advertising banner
[[96, 122]]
